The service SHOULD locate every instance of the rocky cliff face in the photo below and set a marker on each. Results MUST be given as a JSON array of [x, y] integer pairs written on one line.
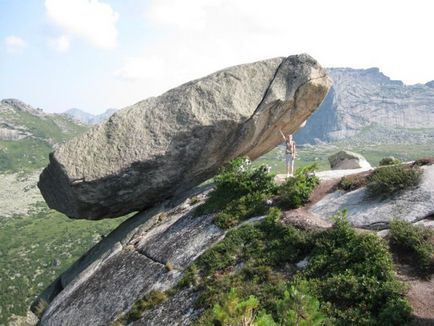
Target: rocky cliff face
[[163, 146], [361, 98]]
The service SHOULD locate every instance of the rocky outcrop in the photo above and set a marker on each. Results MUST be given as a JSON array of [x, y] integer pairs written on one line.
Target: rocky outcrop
[[344, 160], [162, 146], [366, 103], [147, 252], [151, 250], [411, 205]]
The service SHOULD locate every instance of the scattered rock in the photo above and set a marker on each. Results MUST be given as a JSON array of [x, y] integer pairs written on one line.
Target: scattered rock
[[302, 263], [162, 146], [411, 205], [348, 160], [304, 220]]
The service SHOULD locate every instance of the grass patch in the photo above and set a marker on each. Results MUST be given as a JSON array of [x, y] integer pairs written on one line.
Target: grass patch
[[389, 180], [417, 240]]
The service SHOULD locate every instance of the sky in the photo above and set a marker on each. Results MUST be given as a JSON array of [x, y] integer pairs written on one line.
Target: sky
[[99, 54]]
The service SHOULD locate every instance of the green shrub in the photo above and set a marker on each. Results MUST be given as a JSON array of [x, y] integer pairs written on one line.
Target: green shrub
[[252, 204], [352, 274], [388, 180], [349, 279], [352, 182], [298, 307], [241, 183], [295, 191], [234, 312], [417, 239], [389, 161]]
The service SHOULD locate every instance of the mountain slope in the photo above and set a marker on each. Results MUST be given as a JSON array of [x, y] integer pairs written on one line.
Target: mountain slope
[[366, 98], [89, 118], [28, 135]]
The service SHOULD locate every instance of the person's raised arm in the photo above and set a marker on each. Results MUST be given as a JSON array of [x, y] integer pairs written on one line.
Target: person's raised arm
[[283, 136]]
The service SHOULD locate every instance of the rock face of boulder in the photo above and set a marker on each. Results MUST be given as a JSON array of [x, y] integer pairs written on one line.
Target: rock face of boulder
[[348, 160], [162, 146]]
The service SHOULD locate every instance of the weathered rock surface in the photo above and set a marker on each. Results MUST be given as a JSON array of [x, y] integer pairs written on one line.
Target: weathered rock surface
[[411, 205], [160, 147], [177, 310], [132, 261], [348, 160]]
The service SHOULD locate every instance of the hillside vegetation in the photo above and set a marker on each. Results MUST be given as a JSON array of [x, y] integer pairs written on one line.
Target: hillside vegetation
[[268, 272], [28, 135], [36, 248]]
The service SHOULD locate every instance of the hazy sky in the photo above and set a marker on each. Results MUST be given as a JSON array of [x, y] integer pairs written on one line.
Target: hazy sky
[[97, 54]]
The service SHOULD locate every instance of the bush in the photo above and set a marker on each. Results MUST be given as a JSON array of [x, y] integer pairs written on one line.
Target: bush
[[352, 182], [415, 239], [298, 307], [236, 180], [352, 275], [295, 191], [240, 209], [234, 312], [349, 279], [389, 161], [388, 180]]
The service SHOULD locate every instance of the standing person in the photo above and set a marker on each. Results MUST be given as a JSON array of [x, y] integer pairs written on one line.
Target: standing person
[[290, 152]]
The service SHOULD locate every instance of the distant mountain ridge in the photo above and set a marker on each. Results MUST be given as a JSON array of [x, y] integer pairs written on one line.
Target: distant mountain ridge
[[366, 98], [28, 135], [89, 118]]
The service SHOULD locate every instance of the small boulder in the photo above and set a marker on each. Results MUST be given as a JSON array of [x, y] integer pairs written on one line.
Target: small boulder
[[345, 160]]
